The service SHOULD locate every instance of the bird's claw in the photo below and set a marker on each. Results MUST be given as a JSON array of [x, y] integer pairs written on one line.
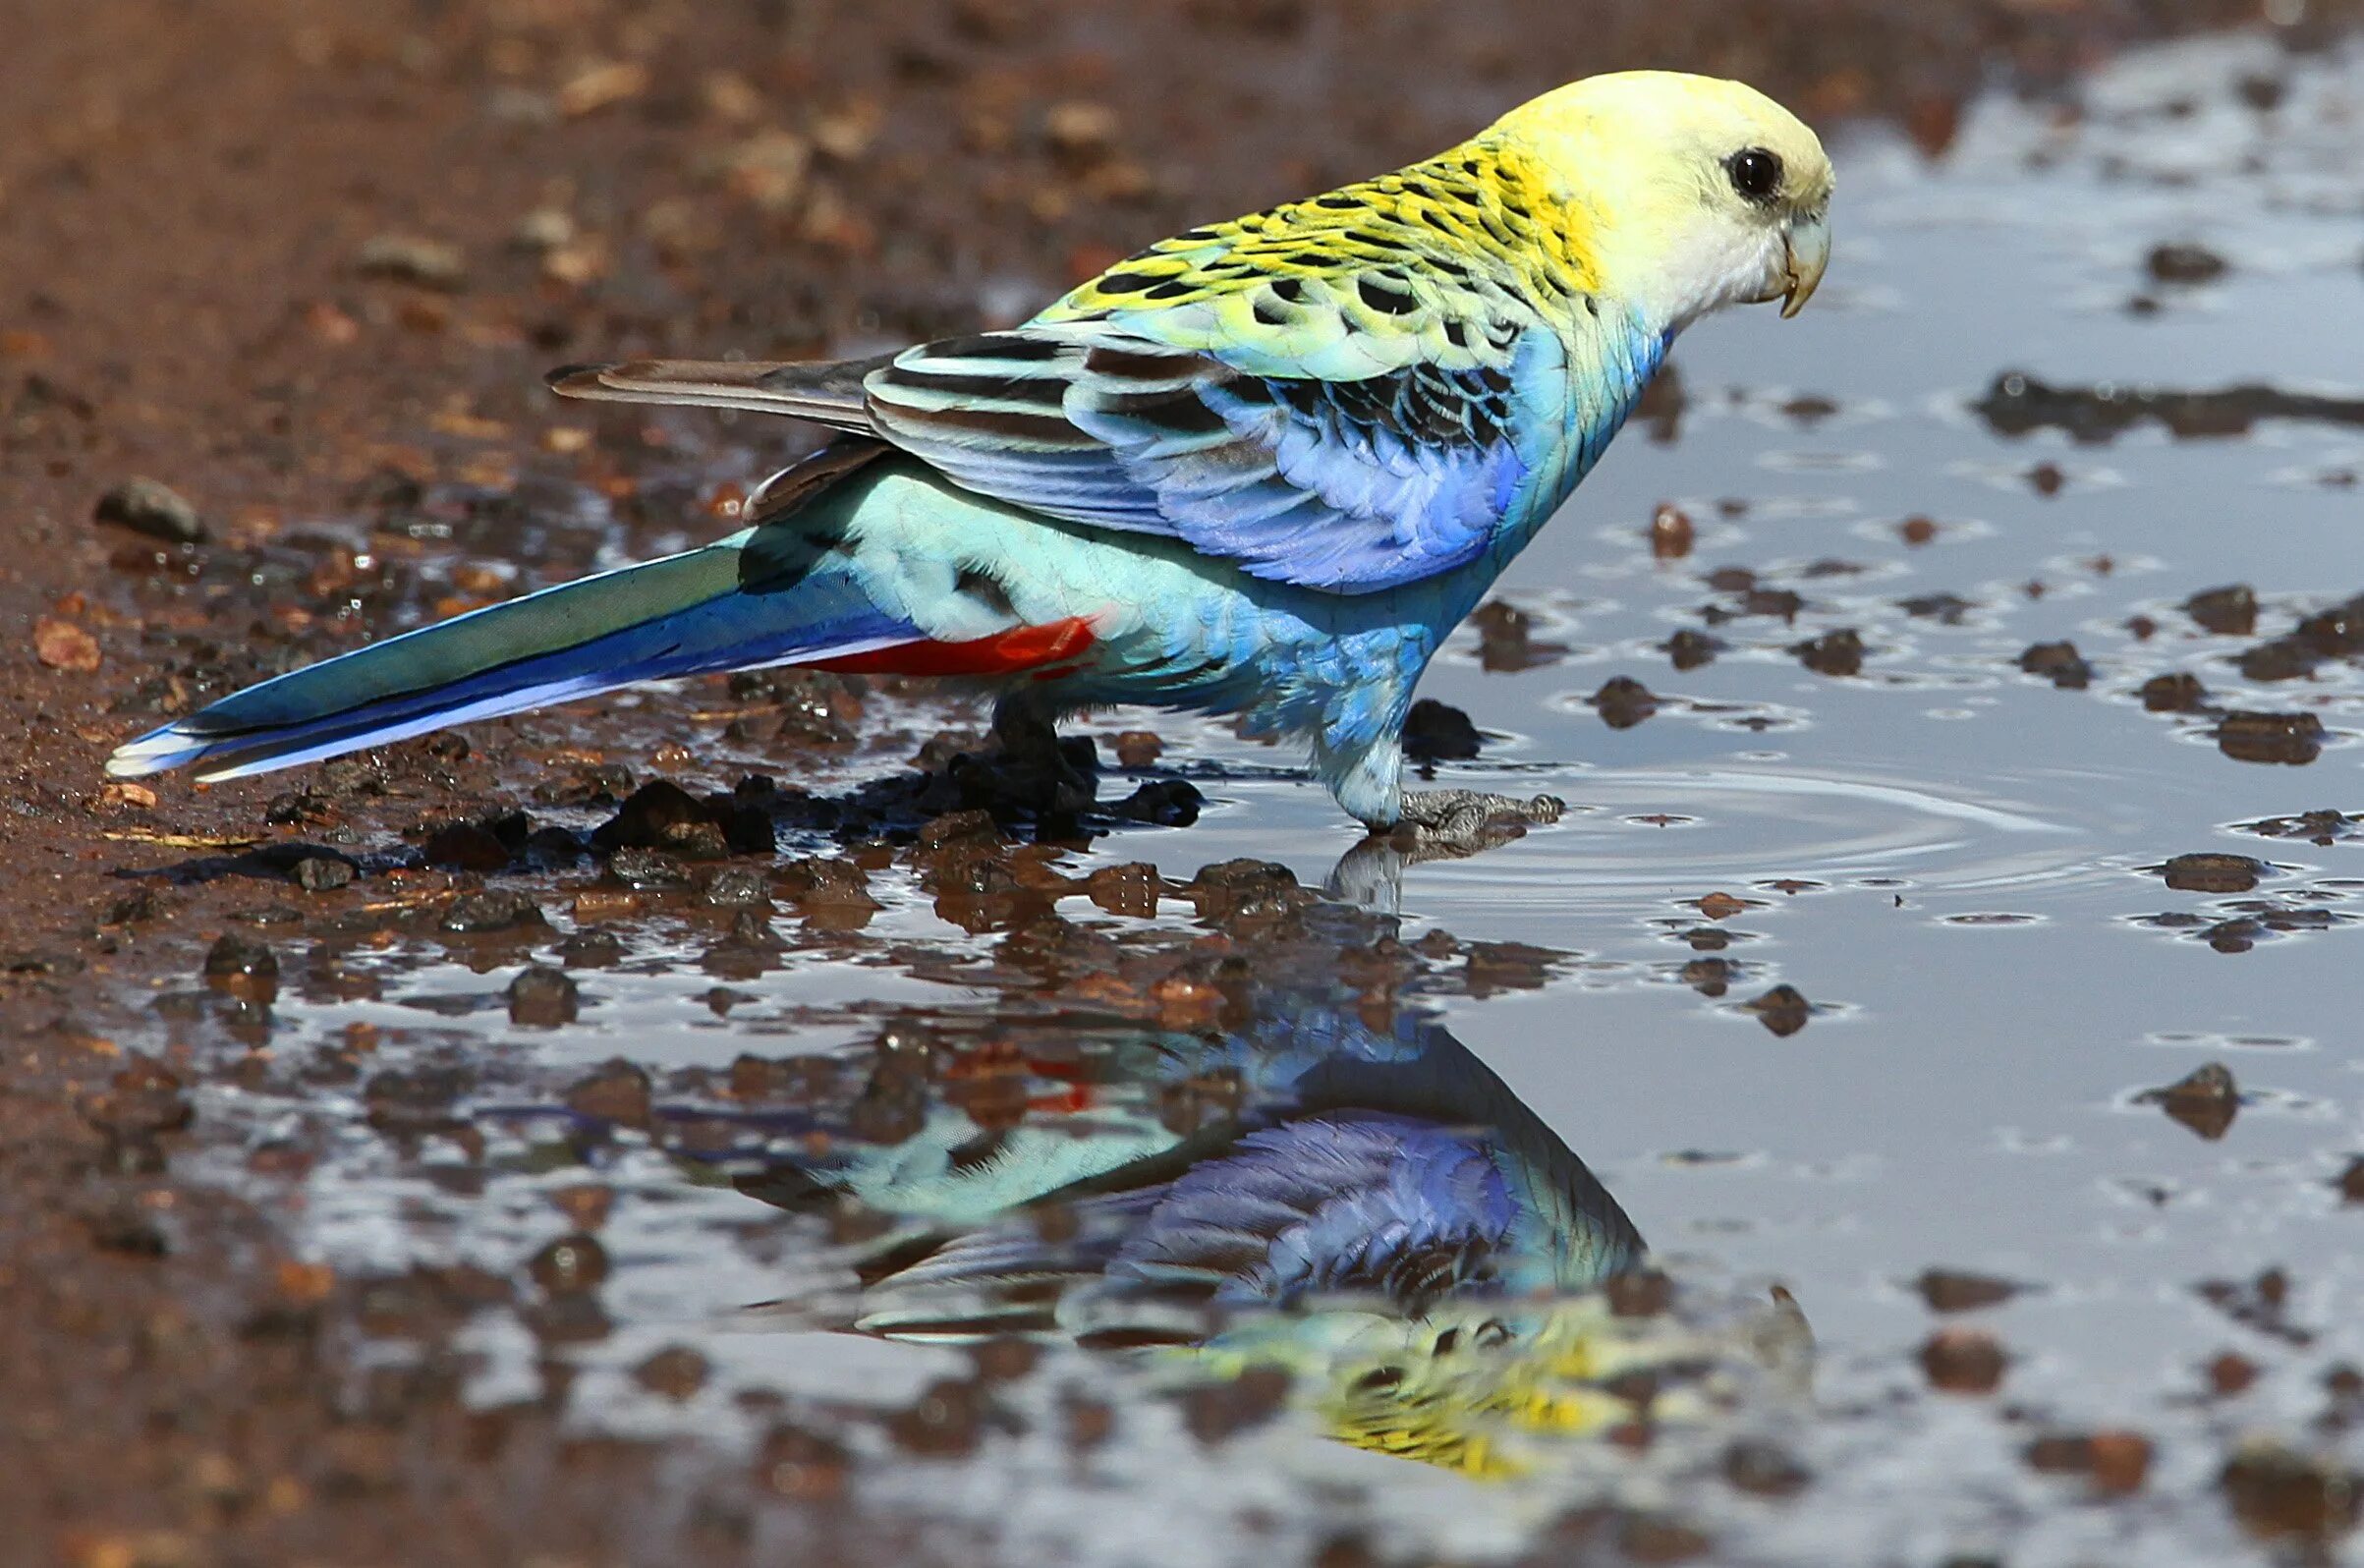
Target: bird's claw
[[1448, 823]]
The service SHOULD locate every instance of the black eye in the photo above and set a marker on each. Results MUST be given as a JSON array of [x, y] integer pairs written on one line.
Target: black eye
[[1756, 173]]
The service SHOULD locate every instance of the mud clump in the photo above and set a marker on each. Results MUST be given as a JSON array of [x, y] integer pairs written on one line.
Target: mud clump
[[2183, 265], [542, 997], [500, 908], [2059, 663], [617, 1093], [2292, 740], [2019, 403], [1949, 1290], [1671, 532], [2210, 872], [1838, 652], [662, 815], [156, 510], [321, 874], [1623, 702], [2279, 1495], [1506, 641], [2230, 611], [1689, 650], [2115, 1463], [241, 967], [1963, 1360], [2176, 693], [2206, 1100], [1784, 1010]]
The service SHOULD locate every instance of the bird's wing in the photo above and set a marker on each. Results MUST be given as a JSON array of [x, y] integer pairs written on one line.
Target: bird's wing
[[1351, 392]]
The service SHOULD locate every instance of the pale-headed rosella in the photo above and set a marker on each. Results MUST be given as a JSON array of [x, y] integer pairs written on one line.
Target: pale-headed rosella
[[1261, 469]]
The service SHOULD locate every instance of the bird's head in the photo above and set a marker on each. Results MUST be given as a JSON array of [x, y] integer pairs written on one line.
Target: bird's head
[[1691, 192]]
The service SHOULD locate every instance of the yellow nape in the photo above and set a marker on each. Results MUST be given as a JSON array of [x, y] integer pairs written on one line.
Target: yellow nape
[[1640, 128]]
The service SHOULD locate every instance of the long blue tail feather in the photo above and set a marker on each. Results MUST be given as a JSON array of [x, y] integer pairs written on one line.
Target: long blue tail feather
[[684, 614]]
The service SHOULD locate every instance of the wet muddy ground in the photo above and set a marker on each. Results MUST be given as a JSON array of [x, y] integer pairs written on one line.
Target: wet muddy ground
[[1906, 1112]]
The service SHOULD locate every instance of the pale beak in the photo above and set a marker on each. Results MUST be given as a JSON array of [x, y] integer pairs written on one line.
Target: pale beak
[[1809, 242]]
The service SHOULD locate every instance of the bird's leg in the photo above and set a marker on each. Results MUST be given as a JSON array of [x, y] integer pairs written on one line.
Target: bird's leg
[[1462, 822], [1032, 757]]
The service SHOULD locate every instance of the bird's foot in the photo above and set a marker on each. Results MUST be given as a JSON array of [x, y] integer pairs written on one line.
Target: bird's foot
[[1037, 771], [1451, 822]]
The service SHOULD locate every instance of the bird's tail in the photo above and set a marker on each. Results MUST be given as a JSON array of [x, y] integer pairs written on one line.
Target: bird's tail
[[768, 595]]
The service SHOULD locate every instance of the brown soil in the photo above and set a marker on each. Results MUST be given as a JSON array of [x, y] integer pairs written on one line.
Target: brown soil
[[304, 263]]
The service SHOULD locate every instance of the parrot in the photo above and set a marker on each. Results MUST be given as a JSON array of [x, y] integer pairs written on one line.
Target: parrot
[[1362, 1204], [1261, 469]]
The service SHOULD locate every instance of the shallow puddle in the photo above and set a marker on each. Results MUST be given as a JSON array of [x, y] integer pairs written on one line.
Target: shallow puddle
[[1143, 1221]]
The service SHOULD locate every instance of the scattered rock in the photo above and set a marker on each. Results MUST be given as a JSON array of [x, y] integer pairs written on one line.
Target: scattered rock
[[64, 645], [676, 1373], [243, 967], [2351, 1184], [1138, 749], [2206, 1100], [1949, 1290], [156, 510], [467, 847], [570, 1266], [1917, 531], [1838, 652], [1784, 1010], [542, 997], [1671, 534], [500, 908], [2059, 663], [1507, 639], [320, 873], [1623, 702], [946, 1421], [1688, 649], [2230, 611], [414, 259], [2185, 264], [617, 1093], [736, 887], [2178, 693], [1963, 1360], [2292, 739], [1434, 732], [1764, 1469], [2210, 872], [2115, 1462], [2281, 1494], [662, 815]]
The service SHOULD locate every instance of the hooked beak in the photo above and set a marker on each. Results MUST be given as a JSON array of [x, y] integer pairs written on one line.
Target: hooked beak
[[1809, 244]]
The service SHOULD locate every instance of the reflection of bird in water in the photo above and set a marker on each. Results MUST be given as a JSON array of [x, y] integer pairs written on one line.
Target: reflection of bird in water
[[1373, 1211]]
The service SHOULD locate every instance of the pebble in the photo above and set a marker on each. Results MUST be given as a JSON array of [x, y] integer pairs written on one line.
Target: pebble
[[2178, 693], [570, 1266], [1963, 1360], [542, 997], [414, 259], [1838, 652], [1948, 1290], [617, 1093], [2206, 1099], [499, 909], [1671, 532], [2211, 871], [2059, 663], [2230, 611], [1784, 1010], [320, 873], [1623, 702], [2184, 262], [154, 509]]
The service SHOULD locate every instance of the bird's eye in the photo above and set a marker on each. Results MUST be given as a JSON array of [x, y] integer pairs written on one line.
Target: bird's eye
[[1756, 173]]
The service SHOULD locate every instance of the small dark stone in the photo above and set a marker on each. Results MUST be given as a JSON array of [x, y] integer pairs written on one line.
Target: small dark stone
[[542, 997], [737, 887], [1951, 1290], [1638, 1293], [1671, 532], [570, 1266], [946, 1421], [1506, 639], [1161, 803], [661, 814], [499, 909], [2210, 872], [2179, 693], [675, 1373], [2351, 1180], [2290, 739], [2206, 1100], [1784, 1010], [243, 967], [414, 259], [1623, 702], [2230, 611], [156, 510], [1963, 1360], [1434, 732], [2279, 1495], [1838, 652], [617, 1093], [650, 869], [467, 847], [1764, 1469], [2185, 263], [1215, 1411], [319, 874], [1688, 649], [595, 784], [2059, 663], [591, 950]]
